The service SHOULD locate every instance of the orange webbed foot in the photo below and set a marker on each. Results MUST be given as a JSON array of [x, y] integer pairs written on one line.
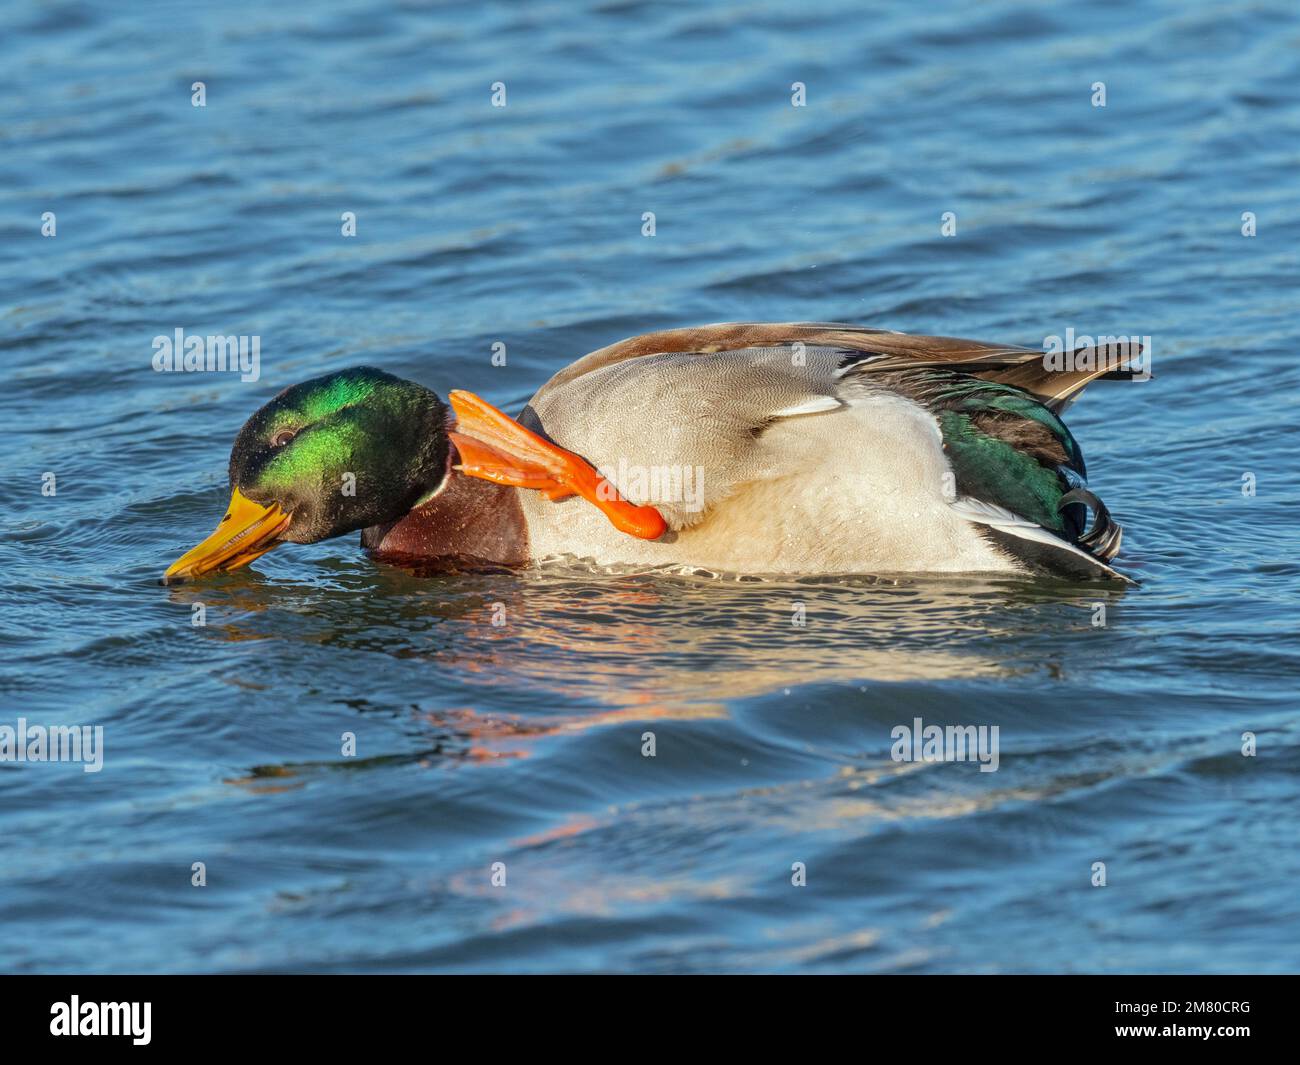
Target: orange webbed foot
[[497, 448]]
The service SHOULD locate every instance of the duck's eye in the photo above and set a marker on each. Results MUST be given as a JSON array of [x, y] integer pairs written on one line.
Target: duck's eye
[[282, 437]]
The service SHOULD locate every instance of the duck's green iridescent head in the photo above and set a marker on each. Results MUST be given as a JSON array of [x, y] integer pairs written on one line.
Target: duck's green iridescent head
[[326, 457]]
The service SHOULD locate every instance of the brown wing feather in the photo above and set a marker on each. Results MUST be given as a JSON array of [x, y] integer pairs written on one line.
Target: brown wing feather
[[1056, 389], [1007, 364]]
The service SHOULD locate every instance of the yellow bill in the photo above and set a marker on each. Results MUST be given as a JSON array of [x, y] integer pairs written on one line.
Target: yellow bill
[[248, 531]]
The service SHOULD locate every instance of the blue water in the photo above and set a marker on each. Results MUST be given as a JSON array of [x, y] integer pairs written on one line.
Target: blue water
[[521, 743]]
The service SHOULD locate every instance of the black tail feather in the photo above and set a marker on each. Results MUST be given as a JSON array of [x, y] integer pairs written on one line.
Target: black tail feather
[[1103, 539]]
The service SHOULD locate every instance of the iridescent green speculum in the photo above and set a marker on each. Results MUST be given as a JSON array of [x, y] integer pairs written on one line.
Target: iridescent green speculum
[[991, 468]]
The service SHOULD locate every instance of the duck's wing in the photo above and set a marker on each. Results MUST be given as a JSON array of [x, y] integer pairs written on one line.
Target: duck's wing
[[706, 411], [879, 350]]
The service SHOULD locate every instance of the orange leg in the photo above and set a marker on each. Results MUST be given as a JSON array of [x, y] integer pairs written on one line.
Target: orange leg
[[497, 448]]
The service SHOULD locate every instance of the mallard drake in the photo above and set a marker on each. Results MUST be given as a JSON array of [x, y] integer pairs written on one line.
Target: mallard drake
[[789, 448]]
